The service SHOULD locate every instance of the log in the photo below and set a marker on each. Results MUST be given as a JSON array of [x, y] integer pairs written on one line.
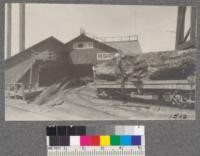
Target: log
[[167, 65]]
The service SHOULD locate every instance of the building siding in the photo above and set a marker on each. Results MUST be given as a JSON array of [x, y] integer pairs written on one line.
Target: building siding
[[87, 56]]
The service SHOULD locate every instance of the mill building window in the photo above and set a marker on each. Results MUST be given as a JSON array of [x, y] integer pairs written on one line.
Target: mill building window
[[83, 45]]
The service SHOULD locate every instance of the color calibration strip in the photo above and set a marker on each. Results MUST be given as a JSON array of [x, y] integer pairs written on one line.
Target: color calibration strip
[[95, 141]]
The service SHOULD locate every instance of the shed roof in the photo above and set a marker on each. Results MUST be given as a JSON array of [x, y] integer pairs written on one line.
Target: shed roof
[[130, 47]]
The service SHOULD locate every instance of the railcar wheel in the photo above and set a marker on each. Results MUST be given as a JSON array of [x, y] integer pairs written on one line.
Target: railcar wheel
[[102, 93], [179, 100], [167, 97]]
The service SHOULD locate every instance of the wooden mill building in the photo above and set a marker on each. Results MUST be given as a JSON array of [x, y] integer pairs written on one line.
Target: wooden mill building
[[51, 60]]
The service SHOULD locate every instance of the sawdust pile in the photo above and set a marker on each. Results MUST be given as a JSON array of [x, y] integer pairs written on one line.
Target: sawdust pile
[[168, 65], [50, 94]]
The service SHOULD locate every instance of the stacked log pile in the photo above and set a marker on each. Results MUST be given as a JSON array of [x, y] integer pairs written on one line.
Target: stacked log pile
[[168, 65]]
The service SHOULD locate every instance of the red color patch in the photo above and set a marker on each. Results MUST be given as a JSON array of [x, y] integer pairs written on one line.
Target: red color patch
[[95, 140]]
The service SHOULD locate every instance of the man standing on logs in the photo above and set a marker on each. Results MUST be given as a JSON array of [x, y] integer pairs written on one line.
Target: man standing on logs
[[120, 69]]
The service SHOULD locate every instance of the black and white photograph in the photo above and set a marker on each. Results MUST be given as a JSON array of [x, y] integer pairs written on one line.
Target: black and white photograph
[[99, 62]]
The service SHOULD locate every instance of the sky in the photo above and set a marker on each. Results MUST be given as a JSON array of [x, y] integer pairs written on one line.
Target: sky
[[154, 25]]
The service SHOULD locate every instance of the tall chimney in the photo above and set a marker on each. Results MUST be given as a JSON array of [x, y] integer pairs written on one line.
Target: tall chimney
[[21, 27], [9, 29]]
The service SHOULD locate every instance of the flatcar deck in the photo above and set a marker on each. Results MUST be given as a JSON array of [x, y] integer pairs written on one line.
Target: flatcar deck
[[148, 84]]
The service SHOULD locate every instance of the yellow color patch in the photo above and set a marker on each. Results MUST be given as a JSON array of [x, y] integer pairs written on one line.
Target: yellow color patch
[[105, 140]]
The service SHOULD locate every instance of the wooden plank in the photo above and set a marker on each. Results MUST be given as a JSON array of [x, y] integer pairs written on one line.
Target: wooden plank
[[158, 87], [147, 82], [169, 84]]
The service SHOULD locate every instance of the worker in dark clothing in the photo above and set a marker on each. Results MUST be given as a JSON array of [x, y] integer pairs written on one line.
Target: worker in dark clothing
[[121, 70], [122, 74]]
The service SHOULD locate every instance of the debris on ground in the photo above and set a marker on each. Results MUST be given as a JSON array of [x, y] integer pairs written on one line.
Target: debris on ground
[[51, 93]]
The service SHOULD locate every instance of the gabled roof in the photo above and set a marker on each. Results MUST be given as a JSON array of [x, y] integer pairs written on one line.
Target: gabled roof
[[83, 37], [86, 56], [129, 47], [27, 53]]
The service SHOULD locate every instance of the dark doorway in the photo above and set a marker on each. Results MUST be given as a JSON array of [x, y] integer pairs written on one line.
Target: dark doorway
[[51, 74], [81, 71]]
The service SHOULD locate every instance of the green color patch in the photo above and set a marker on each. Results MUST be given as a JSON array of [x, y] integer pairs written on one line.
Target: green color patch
[[114, 140]]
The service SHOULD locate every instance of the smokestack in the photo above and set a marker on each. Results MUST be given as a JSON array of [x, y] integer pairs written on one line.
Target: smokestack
[[82, 31], [21, 27], [9, 29]]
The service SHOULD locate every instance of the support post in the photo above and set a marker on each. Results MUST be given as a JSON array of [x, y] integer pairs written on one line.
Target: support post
[[21, 27], [193, 24], [180, 26], [9, 29]]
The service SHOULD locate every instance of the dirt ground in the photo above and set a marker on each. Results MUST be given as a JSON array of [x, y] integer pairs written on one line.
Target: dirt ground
[[82, 104]]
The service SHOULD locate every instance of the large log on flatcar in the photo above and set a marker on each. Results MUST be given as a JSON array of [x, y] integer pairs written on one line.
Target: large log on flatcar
[[168, 65]]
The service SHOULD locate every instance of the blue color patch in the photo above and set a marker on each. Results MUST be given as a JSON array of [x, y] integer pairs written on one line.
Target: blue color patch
[[125, 140], [136, 140]]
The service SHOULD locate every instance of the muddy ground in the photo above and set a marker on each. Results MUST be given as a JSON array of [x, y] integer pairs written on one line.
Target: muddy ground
[[81, 103]]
